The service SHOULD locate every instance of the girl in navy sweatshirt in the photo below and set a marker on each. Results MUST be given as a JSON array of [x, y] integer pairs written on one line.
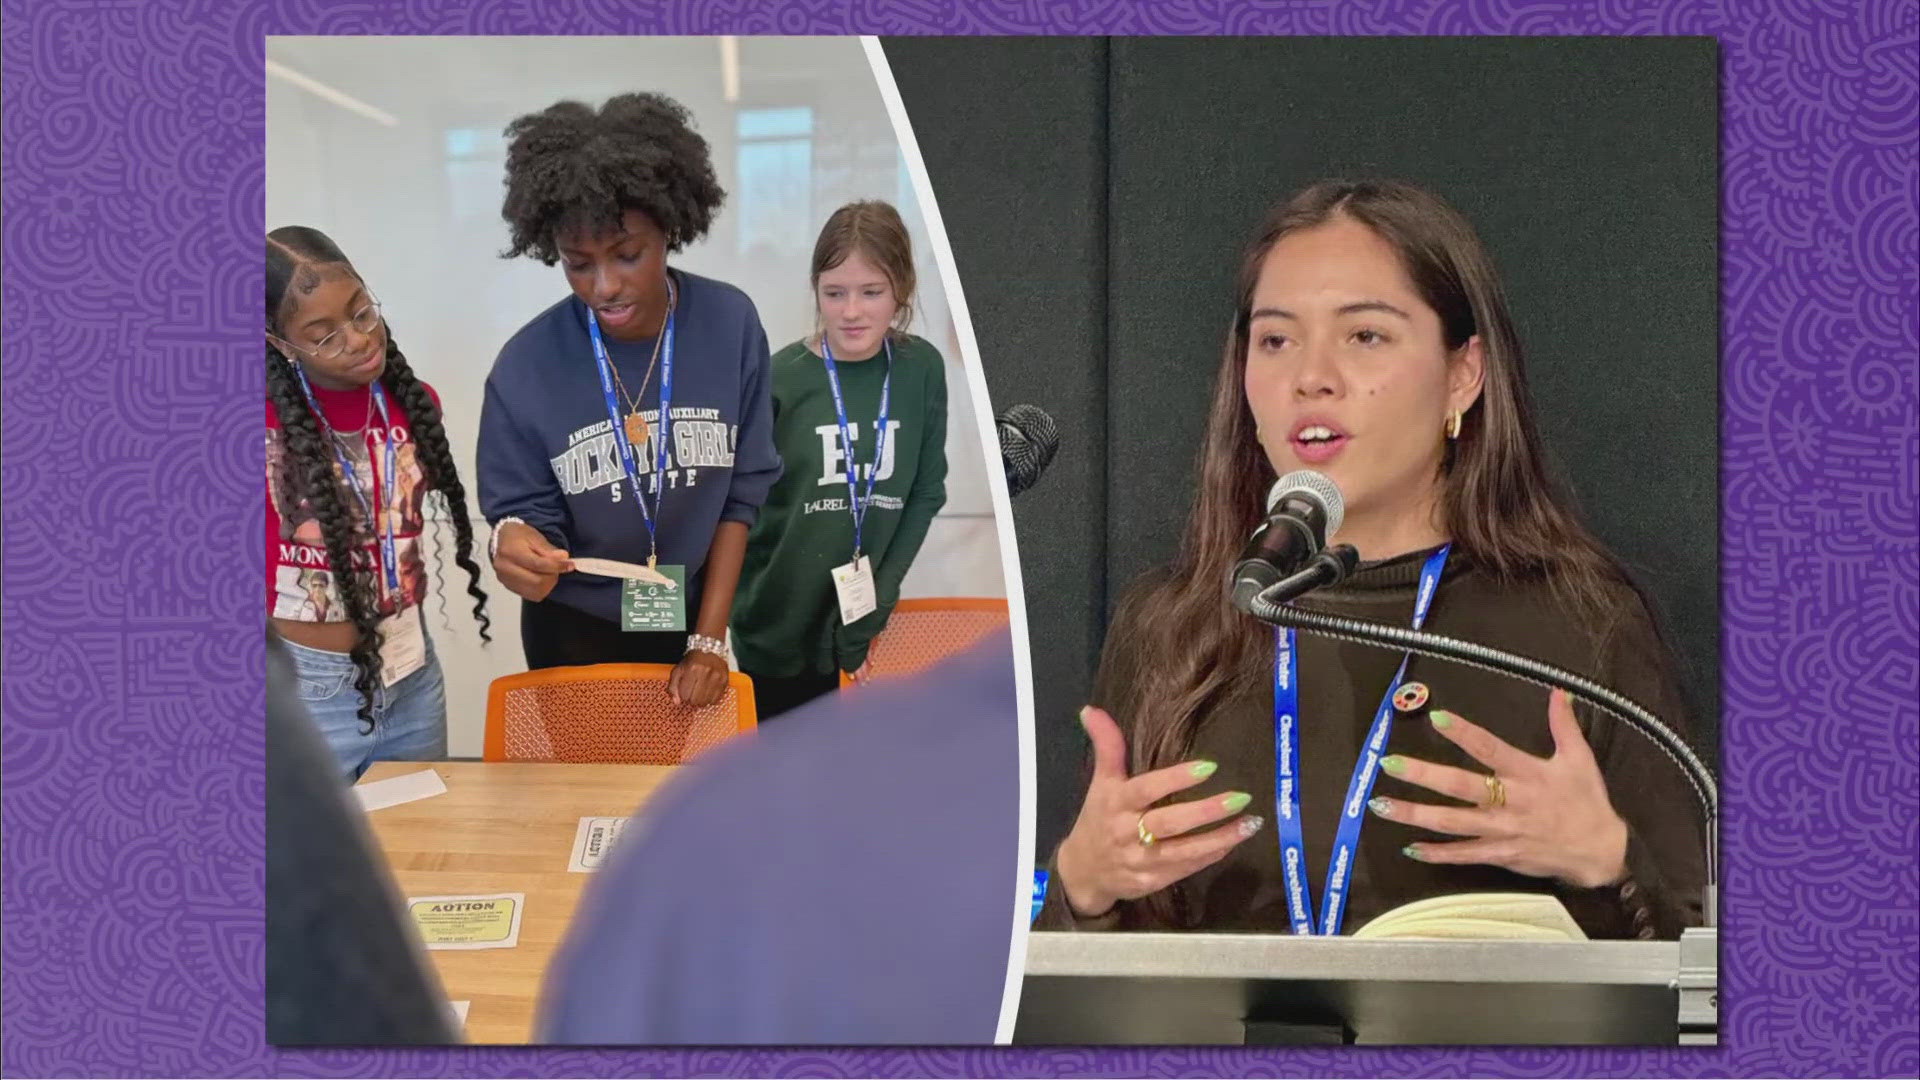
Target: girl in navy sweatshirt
[[631, 421]]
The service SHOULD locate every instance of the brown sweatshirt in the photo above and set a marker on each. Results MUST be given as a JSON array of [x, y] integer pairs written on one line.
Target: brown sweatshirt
[[1341, 685]]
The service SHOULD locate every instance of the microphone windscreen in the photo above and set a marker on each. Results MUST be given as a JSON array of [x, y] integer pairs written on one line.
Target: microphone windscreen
[[1028, 440], [1316, 486]]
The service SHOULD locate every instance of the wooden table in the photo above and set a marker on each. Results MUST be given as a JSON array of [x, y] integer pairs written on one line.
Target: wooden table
[[503, 827]]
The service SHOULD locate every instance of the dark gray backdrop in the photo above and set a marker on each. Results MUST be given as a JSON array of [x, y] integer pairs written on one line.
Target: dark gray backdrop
[[1098, 192]]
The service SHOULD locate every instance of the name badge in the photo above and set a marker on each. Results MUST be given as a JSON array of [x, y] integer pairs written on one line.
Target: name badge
[[403, 650], [655, 605], [854, 584]]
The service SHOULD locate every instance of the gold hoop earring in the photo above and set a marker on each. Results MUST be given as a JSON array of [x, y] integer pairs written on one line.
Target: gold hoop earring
[[1453, 425]]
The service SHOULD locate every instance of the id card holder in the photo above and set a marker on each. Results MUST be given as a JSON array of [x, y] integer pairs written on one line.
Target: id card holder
[[404, 650], [649, 606], [853, 583]]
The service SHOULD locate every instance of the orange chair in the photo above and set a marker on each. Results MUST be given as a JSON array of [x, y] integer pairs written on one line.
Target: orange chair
[[921, 633], [611, 713]]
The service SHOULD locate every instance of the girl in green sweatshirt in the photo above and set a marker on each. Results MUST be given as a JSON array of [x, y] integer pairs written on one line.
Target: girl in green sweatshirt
[[860, 419]]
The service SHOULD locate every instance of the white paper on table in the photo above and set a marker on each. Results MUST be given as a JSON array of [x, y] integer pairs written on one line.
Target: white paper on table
[[395, 790], [592, 841], [460, 1012]]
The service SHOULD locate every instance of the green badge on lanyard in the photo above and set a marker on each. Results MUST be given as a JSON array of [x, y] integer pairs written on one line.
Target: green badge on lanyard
[[647, 605], [652, 598]]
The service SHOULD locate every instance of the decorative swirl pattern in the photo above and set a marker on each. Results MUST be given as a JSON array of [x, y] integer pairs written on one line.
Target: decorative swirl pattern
[[133, 765]]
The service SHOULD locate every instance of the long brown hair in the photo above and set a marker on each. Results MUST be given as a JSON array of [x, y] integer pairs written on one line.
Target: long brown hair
[[1501, 506], [874, 230]]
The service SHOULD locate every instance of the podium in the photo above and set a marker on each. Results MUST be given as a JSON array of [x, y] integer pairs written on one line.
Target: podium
[[1195, 988]]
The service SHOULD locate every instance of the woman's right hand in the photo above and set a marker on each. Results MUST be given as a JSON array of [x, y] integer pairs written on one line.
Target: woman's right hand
[[1105, 859], [526, 563]]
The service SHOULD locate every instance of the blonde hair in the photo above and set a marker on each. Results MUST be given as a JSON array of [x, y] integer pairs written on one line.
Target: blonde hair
[[874, 230]]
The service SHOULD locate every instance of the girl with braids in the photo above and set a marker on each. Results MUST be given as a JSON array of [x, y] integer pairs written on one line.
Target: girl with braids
[[347, 422], [859, 373], [631, 421], [1371, 342]]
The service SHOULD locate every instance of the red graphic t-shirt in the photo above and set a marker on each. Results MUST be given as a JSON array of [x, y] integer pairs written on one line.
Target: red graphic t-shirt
[[300, 583]]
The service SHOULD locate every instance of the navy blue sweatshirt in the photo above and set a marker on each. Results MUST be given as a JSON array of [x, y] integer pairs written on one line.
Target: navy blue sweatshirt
[[547, 454]]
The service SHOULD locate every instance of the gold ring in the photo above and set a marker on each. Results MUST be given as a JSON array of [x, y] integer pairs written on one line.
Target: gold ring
[[1146, 838], [1496, 792]]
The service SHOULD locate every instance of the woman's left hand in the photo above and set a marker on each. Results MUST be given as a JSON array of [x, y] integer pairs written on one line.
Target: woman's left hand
[[865, 674], [1557, 821], [698, 679]]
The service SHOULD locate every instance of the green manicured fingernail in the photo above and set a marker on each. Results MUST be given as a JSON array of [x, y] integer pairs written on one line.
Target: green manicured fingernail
[[1203, 769], [1237, 802], [1394, 764], [1442, 719]]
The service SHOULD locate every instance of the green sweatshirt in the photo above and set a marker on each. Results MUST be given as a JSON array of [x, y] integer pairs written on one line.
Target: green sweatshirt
[[786, 616]]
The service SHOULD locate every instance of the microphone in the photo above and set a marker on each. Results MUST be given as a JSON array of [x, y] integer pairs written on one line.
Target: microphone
[[1028, 440], [1303, 509]]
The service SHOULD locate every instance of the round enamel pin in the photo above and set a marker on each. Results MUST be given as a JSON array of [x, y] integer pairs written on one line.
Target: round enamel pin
[[1410, 696]]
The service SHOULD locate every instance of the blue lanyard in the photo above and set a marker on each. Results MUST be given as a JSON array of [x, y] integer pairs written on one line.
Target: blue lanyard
[[1286, 749], [860, 506], [389, 560], [661, 430]]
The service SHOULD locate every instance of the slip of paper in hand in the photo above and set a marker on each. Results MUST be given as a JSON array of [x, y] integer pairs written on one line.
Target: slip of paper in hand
[[616, 569]]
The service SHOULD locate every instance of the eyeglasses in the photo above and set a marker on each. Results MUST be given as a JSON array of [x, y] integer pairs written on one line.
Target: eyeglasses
[[334, 345]]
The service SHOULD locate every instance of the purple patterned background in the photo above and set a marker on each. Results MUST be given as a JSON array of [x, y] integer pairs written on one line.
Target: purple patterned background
[[132, 760]]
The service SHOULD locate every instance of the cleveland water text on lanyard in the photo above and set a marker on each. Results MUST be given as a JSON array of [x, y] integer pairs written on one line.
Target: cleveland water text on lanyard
[[1286, 748], [663, 429], [377, 398], [857, 504]]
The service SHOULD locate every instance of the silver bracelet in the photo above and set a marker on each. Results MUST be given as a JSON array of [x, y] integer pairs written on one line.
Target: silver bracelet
[[703, 643], [493, 541]]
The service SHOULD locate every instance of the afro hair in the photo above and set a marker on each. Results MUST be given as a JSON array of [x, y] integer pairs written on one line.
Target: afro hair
[[573, 170]]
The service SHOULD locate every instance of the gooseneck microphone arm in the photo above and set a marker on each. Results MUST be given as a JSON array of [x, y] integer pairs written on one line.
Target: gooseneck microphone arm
[[1265, 607]]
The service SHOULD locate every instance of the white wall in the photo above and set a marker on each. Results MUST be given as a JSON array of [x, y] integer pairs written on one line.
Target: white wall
[[415, 202]]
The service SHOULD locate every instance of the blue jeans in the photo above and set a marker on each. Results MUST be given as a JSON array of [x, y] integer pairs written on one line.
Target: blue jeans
[[410, 717]]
